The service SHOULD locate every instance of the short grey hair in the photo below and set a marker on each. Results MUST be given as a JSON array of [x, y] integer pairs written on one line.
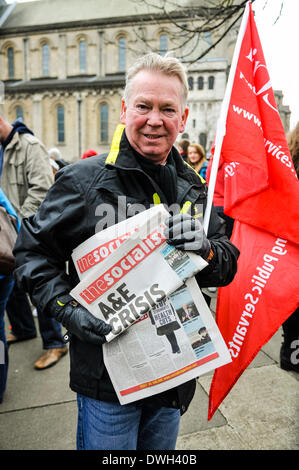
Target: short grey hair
[[167, 65], [54, 153]]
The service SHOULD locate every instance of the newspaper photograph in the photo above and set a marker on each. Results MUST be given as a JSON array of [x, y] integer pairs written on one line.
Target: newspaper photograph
[[135, 276]]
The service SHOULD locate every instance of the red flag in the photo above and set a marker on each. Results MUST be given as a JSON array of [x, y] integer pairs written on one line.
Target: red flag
[[261, 193], [263, 294], [262, 186]]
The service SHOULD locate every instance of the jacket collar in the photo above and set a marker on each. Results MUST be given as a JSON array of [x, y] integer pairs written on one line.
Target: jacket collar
[[18, 127], [15, 141]]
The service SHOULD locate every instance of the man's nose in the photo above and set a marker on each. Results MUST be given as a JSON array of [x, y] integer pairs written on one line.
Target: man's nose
[[154, 118]]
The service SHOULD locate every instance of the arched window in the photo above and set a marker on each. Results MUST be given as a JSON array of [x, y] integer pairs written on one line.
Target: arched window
[[11, 62], [190, 83], [19, 114], [200, 83], [60, 124], [208, 37], [163, 44], [122, 54], [211, 82], [104, 117], [46, 60], [82, 56]]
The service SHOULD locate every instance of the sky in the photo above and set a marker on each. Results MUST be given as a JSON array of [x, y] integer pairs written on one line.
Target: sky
[[280, 41]]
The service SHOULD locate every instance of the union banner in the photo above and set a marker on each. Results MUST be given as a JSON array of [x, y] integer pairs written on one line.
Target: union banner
[[261, 194]]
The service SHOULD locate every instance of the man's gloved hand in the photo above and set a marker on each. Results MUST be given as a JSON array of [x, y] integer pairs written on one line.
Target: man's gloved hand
[[78, 320], [186, 233]]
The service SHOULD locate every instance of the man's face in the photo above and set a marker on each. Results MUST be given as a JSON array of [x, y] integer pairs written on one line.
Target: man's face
[[154, 116], [5, 129], [2, 136]]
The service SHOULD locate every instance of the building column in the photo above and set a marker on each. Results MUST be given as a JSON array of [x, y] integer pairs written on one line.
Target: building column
[[101, 54], [37, 116], [62, 57], [26, 59]]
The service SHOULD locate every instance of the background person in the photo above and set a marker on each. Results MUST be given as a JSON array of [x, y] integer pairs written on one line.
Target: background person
[[183, 148], [289, 358], [197, 159], [89, 153], [6, 286], [26, 176], [56, 156]]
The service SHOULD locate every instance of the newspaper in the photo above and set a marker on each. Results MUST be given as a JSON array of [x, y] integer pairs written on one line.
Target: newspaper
[[136, 275], [130, 277]]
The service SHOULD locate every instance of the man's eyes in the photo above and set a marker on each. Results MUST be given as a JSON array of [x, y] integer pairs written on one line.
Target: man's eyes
[[169, 110], [142, 107], [145, 108]]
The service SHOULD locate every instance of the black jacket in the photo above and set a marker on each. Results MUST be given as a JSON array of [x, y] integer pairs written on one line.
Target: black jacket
[[71, 213]]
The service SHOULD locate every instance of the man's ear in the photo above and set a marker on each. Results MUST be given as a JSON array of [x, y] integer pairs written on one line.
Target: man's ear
[[184, 120], [123, 112]]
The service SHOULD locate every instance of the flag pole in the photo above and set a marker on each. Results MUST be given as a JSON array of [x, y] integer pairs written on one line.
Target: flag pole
[[221, 123]]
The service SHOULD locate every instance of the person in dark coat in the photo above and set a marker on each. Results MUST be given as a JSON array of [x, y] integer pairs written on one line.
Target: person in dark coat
[[289, 351], [144, 167]]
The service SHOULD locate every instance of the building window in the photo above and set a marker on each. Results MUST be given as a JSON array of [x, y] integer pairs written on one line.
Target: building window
[[163, 44], [60, 124], [19, 114], [11, 62], [211, 82], [122, 54], [82, 56], [208, 37], [190, 83], [104, 122], [203, 139], [46, 60], [200, 83]]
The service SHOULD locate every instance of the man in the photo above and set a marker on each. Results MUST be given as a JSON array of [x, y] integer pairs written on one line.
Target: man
[[25, 178], [144, 166]]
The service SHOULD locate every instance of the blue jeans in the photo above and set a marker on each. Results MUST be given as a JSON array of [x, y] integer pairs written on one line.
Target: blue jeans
[[110, 426], [22, 322], [6, 285]]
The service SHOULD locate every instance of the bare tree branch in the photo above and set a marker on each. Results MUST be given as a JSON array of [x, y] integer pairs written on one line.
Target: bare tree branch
[[189, 23]]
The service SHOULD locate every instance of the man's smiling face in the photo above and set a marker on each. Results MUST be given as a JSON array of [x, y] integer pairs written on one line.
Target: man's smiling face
[[153, 115]]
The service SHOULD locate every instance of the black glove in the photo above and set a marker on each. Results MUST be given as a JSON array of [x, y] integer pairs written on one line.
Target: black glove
[[186, 233], [78, 320]]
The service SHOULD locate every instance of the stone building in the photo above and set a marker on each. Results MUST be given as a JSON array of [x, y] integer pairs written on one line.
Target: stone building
[[284, 110], [63, 66]]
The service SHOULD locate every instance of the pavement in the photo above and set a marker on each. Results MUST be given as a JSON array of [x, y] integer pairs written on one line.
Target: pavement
[[261, 412]]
